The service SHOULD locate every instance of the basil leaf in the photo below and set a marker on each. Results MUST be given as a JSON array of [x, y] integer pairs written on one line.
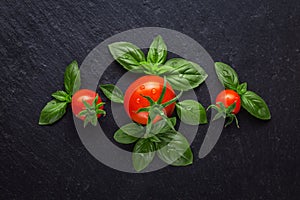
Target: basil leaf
[[52, 112], [162, 126], [163, 69], [61, 96], [174, 149], [113, 93], [129, 133], [157, 53], [128, 55], [191, 112], [255, 105], [72, 78], [242, 88], [183, 74], [227, 76], [185, 159], [143, 154], [154, 139]]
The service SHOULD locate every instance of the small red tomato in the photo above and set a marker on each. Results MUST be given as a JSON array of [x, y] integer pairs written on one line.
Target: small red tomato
[[87, 96], [228, 97], [151, 86]]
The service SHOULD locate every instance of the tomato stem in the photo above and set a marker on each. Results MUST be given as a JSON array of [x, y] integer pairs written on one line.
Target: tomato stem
[[157, 105], [151, 101], [172, 100], [224, 112], [91, 112], [163, 91]]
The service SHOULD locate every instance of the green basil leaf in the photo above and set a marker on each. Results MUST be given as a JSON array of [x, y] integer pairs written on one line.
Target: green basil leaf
[[157, 53], [163, 69], [143, 154], [61, 96], [128, 55], [191, 112], [52, 112], [161, 126], [129, 133], [72, 78], [183, 74], [227, 76], [255, 105], [154, 139], [242, 88], [113, 93], [124, 138], [173, 149], [185, 159]]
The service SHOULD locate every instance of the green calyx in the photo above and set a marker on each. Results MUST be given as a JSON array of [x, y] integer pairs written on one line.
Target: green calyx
[[91, 112], [156, 107], [224, 112]]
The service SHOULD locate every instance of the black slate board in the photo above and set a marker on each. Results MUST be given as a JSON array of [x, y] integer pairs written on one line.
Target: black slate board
[[39, 38]]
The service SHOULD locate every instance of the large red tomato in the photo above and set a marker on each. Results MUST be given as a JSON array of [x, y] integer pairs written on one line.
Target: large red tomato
[[228, 97], [147, 86]]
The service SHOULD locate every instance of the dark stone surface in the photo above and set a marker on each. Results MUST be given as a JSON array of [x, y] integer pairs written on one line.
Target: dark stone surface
[[39, 38]]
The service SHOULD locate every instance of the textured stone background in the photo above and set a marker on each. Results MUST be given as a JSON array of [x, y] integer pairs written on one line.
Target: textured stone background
[[39, 38]]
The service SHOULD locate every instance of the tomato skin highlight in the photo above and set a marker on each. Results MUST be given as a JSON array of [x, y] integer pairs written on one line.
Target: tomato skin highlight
[[151, 86], [79, 97], [228, 97]]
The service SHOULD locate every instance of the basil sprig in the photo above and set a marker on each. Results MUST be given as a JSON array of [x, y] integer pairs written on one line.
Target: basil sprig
[[171, 146], [55, 109], [180, 73], [251, 102]]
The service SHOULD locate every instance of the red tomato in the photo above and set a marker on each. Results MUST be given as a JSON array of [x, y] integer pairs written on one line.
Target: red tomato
[[228, 97], [148, 86], [84, 95]]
